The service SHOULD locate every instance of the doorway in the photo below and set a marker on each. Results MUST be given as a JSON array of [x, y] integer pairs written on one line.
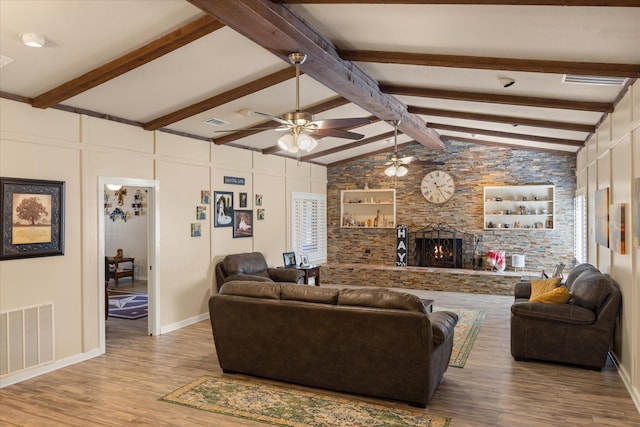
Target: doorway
[[148, 191]]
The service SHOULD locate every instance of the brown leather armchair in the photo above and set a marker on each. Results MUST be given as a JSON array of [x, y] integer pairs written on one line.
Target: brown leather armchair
[[579, 332], [252, 266]]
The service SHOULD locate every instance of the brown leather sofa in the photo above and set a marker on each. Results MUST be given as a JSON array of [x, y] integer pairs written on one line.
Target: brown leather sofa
[[253, 266], [375, 342], [579, 332]]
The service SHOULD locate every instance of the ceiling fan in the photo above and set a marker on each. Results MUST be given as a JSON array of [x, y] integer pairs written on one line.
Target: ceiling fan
[[302, 130], [396, 164]]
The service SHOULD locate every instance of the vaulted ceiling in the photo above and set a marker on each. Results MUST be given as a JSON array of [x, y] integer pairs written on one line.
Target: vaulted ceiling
[[206, 68]]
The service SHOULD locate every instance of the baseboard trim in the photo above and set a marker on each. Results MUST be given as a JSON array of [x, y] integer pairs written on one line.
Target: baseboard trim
[[626, 380], [179, 325], [45, 369]]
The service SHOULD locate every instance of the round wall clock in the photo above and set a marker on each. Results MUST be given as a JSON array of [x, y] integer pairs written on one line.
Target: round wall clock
[[437, 187]]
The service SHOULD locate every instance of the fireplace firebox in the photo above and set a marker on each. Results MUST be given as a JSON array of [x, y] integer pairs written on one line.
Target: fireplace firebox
[[442, 246]]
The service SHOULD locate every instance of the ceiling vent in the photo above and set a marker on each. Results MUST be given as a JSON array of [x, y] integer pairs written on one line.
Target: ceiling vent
[[593, 80], [216, 122]]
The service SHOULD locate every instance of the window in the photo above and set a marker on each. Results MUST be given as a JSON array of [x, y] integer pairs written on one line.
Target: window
[[580, 212], [309, 225]]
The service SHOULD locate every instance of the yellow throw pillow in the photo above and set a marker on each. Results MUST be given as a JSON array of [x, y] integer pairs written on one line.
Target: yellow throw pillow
[[559, 295], [541, 286]]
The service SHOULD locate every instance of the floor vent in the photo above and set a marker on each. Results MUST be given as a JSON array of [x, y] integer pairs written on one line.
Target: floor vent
[[26, 338]]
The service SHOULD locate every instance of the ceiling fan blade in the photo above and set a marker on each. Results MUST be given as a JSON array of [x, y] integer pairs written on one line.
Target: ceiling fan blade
[[337, 133], [407, 159], [341, 123], [274, 118], [248, 129]]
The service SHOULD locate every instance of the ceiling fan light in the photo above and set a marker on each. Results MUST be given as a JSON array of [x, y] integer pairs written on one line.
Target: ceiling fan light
[[33, 39], [390, 171], [401, 171], [287, 142], [306, 143]]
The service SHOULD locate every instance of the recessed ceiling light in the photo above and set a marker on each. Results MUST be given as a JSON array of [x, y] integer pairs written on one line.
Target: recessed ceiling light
[[33, 39]]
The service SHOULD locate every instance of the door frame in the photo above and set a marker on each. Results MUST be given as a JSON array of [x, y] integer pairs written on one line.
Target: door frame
[[153, 251]]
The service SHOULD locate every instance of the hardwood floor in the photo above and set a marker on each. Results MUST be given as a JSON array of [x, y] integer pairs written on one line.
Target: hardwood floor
[[122, 387]]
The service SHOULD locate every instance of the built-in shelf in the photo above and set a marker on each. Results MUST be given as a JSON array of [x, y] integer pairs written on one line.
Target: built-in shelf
[[517, 207], [368, 208]]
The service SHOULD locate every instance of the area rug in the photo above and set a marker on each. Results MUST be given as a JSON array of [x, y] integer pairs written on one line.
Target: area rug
[[469, 323], [282, 406], [128, 305]]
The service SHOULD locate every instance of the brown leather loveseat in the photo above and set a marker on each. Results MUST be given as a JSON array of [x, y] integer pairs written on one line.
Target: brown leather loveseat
[[252, 266], [578, 332], [375, 342]]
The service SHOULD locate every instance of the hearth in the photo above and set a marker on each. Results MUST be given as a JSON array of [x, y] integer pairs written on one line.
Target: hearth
[[442, 246]]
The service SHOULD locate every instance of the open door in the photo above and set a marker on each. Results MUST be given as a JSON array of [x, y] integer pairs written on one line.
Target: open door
[[152, 209]]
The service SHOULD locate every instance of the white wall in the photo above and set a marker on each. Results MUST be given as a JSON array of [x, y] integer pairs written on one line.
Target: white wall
[[611, 160], [55, 145]]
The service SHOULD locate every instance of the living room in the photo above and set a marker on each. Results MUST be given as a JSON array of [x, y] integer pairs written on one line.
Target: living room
[[86, 152]]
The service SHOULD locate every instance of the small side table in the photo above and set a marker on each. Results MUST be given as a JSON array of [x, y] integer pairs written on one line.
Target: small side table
[[312, 271]]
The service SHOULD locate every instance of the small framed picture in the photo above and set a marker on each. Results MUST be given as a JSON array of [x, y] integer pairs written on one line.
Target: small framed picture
[[289, 259], [196, 229], [205, 197], [304, 260], [223, 209], [242, 223], [243, 200], [201, 212], [260, 214], [258, 199]]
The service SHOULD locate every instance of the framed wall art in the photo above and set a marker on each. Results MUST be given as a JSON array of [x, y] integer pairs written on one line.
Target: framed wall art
[[223, 216], [242, 223], [243, 200], [616, 228], [32, 223], [602, 217], [635, 200]]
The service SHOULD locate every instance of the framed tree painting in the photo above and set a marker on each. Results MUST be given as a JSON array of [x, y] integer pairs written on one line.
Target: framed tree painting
[[602, 217], [32, 223], [223, 215]]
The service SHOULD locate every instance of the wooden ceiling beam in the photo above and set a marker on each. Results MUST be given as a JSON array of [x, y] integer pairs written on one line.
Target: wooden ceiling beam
[[147, 53], [314, 109], [223, 98], [518, 121], [529, 101], [607, 3], [511, 135], [278, 30], [447, 138], [488, 63]]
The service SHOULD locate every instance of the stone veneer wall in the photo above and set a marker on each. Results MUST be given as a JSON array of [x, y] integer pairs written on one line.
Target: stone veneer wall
[[473, 166]]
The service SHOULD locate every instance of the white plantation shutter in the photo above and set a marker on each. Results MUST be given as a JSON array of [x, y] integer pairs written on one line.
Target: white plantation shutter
[[309, 225]]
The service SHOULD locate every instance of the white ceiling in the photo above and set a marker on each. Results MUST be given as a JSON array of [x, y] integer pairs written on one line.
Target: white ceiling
[[84, 35]]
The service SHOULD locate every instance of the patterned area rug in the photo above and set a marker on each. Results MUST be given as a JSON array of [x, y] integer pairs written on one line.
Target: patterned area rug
[[469, 322], [128, 306], [280, 406]]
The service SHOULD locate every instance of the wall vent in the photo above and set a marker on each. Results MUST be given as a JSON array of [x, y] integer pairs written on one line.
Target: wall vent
[[26, 338], [216, 122], [593, 80]]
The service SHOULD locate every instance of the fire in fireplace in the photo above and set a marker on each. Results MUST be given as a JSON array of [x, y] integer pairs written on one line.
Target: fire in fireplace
[[440, 245]]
